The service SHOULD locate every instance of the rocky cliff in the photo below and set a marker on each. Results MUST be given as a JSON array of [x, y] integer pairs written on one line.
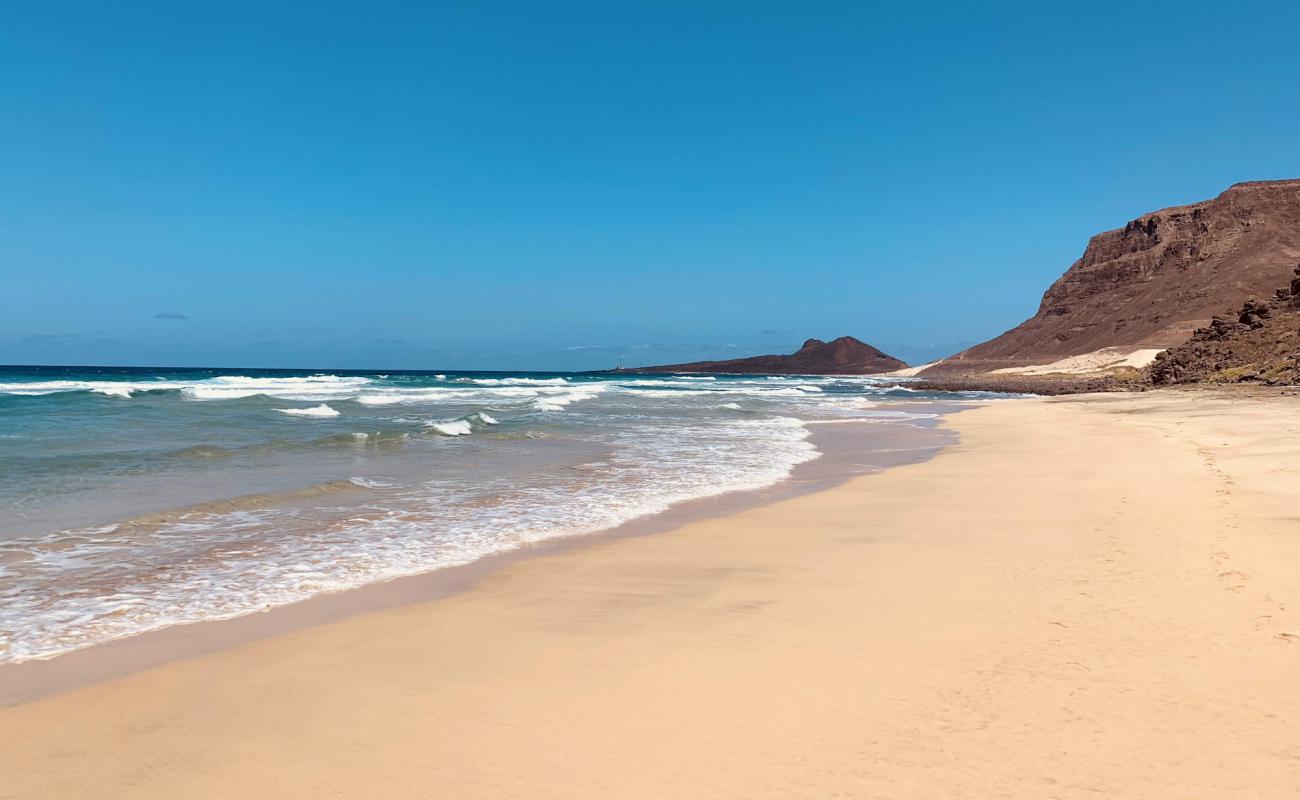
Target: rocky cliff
[[843, 356], [1151, 283]]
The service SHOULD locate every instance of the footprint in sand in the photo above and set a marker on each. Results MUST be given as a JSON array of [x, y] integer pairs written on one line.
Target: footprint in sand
[[1236, 577]]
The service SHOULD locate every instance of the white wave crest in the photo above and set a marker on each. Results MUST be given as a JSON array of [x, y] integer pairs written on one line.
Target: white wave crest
[[314, 387], [224, 387], [854, 403], [110, 388], [558, 401], [379, 396], [321, 410], [515, 381], [667, 383], [370, 483], [455, 427], [388, 398], [673, 393]]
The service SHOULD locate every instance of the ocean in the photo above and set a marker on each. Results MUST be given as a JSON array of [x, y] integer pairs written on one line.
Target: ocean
[[132, 499]]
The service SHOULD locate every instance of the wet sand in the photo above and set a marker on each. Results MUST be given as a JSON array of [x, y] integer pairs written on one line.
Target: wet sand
[[1086, 596]]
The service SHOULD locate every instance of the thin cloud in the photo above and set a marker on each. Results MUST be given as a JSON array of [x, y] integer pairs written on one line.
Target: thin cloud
[[170, 315]]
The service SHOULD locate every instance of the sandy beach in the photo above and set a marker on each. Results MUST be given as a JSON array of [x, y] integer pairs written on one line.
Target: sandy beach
[[1087, 596]]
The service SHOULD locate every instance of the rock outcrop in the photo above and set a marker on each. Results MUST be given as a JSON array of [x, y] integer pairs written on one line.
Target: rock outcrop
[[843, 356], [1153, 282], [1258, 343]]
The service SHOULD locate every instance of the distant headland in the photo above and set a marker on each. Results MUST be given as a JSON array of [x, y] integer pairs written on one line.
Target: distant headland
[[842, 356]]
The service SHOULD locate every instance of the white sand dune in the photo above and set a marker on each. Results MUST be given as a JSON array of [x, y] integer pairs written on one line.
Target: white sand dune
[[1103, 360]]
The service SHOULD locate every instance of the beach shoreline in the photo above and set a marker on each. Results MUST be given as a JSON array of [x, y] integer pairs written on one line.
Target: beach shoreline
[[1084, 595], [855, 448]]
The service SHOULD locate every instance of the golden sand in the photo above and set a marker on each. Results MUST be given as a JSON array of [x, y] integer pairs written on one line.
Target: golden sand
[[1087, 597]]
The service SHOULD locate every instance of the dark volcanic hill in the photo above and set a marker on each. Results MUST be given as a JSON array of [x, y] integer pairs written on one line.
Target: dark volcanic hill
[[1153, 282], [844, 356]]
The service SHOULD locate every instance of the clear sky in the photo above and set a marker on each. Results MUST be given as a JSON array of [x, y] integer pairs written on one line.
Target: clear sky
[[561, 185]]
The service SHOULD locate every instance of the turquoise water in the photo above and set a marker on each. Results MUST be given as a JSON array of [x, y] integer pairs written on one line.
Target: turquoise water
[[133, 499]]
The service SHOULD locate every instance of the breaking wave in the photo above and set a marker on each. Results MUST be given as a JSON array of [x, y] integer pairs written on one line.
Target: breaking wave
[[455, 427], [321, 410]]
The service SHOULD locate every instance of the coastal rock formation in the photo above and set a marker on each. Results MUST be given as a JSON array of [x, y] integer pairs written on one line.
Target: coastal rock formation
[[1259, 343], [1151, 283], [843, 356]]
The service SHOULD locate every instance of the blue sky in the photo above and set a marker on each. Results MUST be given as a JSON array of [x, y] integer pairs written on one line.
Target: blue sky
[[561, 185]]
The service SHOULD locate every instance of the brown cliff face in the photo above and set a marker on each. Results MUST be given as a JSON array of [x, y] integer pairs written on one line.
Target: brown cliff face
[[1153, 282], [844, 356]]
